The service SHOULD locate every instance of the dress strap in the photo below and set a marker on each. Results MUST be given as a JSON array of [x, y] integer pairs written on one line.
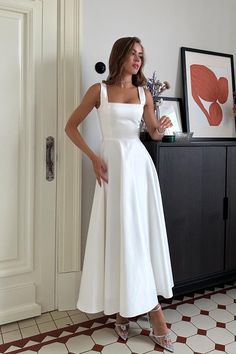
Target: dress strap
[[103, 93], [142, 95]]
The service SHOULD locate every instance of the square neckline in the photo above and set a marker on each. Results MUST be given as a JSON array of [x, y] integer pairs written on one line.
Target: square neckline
[[124, 103]]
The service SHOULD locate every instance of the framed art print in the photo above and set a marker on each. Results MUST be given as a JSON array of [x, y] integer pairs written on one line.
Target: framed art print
[[208, 80]]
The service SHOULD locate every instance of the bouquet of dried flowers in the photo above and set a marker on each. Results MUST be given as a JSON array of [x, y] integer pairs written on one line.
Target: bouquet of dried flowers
[[156, 87]]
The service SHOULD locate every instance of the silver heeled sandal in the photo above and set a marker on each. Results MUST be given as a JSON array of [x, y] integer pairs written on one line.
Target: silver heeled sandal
[[163, 341], [122, 330]]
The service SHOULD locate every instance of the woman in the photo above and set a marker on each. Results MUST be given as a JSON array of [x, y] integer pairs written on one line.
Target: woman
[[127, 257]]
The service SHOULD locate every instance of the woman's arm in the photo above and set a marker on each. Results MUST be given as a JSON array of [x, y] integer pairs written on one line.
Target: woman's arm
[[234, 109], [156, 128], [89, 101]]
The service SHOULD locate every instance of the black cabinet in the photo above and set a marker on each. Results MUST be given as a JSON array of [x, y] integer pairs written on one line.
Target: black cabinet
[[231, 220], [198, 186]]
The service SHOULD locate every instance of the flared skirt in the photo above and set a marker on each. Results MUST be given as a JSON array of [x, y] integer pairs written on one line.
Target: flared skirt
[[127, 262]]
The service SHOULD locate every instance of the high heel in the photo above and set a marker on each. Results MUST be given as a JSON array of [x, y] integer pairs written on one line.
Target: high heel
[[163, 341], [122, 329]]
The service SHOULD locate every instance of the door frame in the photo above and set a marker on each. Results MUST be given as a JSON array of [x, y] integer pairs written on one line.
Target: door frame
[[69, 173]]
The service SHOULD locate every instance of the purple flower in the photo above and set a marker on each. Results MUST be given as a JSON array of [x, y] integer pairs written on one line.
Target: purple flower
[[156, 87]]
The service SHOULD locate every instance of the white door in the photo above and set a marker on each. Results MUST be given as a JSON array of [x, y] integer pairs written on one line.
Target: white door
[[28, 115]]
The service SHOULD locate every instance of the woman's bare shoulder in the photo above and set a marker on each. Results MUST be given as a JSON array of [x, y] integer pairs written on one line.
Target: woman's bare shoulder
[[93, 94], [95, 88], [148, 95], [146, 90]]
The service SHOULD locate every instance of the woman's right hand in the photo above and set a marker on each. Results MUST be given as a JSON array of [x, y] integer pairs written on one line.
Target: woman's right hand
[[100, 170]]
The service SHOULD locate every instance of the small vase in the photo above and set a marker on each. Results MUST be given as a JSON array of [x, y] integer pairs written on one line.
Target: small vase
[[157, 112], [157, 105]]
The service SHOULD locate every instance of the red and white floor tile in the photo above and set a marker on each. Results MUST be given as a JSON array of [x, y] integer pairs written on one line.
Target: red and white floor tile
[[200, 323]]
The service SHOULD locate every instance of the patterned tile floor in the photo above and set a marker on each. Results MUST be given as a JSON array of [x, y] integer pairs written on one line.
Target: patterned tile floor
[[200, 323]]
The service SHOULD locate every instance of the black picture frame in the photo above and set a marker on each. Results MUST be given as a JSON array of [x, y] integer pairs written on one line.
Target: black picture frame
[[208, 86]]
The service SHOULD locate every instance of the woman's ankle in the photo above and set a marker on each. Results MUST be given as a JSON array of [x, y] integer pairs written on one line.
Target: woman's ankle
[[120, 319], [158, 322], [154, 311]]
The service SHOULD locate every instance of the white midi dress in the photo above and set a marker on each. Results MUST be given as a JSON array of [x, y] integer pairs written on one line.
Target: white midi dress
[[127, 262]]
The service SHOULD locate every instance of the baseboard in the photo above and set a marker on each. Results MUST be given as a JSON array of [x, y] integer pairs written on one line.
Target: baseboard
[[202, 283]]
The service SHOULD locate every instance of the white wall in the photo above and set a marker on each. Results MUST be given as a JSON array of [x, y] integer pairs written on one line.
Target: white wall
[[163, 27]]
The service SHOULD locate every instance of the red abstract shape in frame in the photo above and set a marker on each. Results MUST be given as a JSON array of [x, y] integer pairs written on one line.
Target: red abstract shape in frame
[[206, 86]]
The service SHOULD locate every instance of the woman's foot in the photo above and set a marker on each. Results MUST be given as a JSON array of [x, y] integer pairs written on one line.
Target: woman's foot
[[122, 327], [160, 333]]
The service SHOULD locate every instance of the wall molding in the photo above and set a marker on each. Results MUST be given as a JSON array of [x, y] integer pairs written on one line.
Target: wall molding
[[68, 284], [69, 165]]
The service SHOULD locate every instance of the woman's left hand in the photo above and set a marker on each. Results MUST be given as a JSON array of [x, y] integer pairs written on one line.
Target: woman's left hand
[[164, 123]]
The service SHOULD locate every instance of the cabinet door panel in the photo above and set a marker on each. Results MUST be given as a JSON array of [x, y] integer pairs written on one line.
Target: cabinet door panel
[[231, 222], [192, 182]]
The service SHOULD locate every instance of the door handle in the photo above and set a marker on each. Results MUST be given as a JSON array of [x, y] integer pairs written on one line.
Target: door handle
[[50, 158]]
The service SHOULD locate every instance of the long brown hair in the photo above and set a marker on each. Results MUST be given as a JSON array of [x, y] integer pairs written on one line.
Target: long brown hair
[[120, 50]]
